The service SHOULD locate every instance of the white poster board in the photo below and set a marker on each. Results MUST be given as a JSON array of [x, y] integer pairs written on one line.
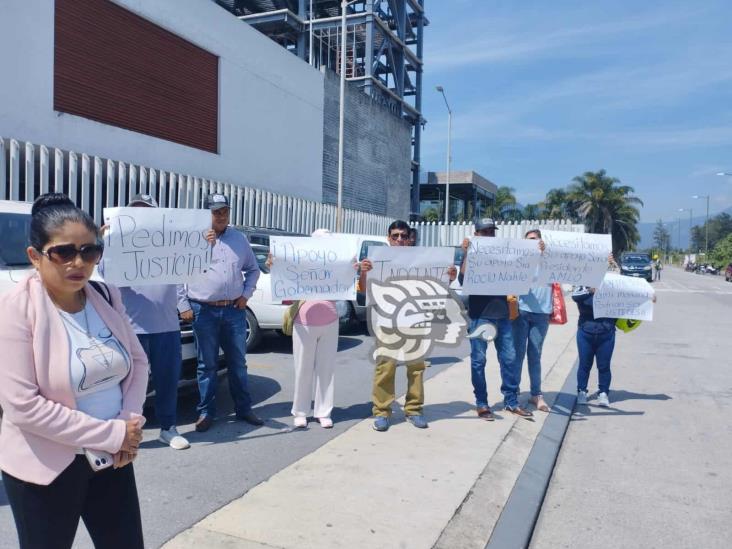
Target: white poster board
[[621, 296], [411, 262], [580, 259], [144, 246], [500, 266], [312, 268]]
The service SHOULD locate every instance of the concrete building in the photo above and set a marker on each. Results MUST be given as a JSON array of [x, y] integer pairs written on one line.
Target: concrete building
[[471, 195], [189, 88]]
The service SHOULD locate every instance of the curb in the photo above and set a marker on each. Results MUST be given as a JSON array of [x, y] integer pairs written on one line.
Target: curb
[[516, 524]]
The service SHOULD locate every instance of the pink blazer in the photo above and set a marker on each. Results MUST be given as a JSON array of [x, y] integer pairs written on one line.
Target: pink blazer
[[41, 427]]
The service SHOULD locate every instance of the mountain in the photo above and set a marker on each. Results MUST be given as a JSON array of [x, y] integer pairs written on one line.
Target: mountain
[[646, 230]]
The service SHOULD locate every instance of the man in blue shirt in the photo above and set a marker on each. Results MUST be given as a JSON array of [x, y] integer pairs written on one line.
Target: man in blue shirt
[[152, 309], [216, 305]]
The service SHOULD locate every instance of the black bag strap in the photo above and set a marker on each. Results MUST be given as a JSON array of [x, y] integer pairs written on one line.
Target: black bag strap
[[102, 290]]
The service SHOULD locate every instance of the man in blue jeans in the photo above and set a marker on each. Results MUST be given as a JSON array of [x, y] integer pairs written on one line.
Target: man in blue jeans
[[491, 309], [529, 331], [595, 342], [216, 305], [152, 309]]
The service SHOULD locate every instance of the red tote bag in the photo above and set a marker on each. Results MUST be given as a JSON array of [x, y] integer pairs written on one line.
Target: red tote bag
[[559, 308]]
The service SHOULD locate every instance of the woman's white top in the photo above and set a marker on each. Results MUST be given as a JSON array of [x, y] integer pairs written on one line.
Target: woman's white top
[[98, 363]]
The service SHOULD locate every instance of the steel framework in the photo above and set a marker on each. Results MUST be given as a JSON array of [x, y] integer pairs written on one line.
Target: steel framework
[[383, 43]]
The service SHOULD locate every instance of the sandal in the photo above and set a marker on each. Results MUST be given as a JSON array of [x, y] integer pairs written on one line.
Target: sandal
[[539, 403]]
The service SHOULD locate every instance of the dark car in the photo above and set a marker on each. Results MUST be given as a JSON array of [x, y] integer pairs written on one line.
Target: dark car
[[638, 265]]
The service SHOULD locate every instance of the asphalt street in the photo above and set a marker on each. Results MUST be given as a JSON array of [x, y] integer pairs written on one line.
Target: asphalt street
[[654, 469], [179, 488]]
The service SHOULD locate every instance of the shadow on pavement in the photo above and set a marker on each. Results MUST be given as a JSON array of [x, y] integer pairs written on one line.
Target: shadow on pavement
[[345, 343], [620, 396], [261, 388]]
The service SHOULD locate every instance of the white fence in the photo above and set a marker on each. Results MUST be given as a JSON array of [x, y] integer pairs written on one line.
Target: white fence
[[439, 234], [28, 170]]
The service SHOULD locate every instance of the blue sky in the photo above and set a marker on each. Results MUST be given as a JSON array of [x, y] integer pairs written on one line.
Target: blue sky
[[542, 91]]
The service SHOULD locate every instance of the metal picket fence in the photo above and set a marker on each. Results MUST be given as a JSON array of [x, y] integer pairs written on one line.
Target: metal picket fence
[[28, 170], [452, 234]]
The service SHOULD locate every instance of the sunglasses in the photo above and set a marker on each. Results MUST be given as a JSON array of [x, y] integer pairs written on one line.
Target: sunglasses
[[66, 253], [399, 236]]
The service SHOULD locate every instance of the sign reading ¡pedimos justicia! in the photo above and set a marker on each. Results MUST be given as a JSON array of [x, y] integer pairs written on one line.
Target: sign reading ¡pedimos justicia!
[[144, 246]]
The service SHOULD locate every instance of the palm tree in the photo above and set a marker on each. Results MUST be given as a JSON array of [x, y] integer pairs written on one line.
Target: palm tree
[[605, 206], [531, 211], [557, 205], [505, 198]]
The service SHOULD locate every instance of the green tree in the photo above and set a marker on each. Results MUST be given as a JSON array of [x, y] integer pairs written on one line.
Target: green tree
[[531, 211], [557, 205], [721, 255], [431, 215], [505, 198], [661, 237], [606, 206], [719, 227]]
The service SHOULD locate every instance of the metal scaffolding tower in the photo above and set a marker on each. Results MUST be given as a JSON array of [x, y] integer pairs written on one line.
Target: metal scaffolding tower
[[383, 43]]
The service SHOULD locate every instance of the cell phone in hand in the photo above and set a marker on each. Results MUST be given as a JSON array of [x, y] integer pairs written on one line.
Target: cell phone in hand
[[98, 459]]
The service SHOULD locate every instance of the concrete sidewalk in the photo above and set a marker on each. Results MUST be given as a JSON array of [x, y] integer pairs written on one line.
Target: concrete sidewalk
[[445, 486]]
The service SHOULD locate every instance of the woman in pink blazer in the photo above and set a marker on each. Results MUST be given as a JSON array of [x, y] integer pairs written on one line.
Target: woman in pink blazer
[[72, 386]]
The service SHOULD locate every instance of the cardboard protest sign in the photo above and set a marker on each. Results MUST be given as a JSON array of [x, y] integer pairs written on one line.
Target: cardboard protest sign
[[410, 262], [144, 246], [623, 297], [312, 268], [574, 258], [500, 266], [405, 262]]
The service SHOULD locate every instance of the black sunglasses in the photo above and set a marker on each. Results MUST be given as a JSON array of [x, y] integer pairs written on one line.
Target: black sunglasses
[[66, 253], [399, 236]]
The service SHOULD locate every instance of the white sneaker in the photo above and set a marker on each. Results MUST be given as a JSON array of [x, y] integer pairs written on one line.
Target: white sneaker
[[603, 400], [172, 438], [300, 422], [581, 397]]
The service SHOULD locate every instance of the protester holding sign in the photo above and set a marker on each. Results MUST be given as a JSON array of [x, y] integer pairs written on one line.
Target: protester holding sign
[[153, 310], [530, 329], [491, 309], [314, 348], [216, 305], [385, 372]]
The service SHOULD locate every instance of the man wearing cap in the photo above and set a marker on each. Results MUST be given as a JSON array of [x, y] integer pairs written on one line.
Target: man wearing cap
[[216, 305], [491, 309], [154, 315]]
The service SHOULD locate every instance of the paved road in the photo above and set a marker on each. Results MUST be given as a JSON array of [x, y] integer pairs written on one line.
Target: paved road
[[177, 489], [655, 469]]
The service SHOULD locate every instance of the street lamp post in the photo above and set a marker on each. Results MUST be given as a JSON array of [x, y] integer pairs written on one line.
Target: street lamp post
[[342, 116], [706, 226], [449, 154]]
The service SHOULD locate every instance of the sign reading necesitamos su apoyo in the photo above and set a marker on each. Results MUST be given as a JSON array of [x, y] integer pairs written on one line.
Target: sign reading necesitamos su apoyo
[[144, 246]]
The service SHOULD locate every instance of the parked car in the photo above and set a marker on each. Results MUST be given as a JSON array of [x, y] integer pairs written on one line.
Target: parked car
[[361, 244], [728, 273], [636, 264], [15, 227]]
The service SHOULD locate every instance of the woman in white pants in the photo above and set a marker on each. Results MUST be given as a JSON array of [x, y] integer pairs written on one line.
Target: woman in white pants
[[314, 348]]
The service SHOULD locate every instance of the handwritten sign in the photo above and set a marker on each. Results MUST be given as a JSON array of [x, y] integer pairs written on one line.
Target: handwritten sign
[[144, 246], [500, 266], [312, 268], [410, 262], [574, 258], [623, 297]]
